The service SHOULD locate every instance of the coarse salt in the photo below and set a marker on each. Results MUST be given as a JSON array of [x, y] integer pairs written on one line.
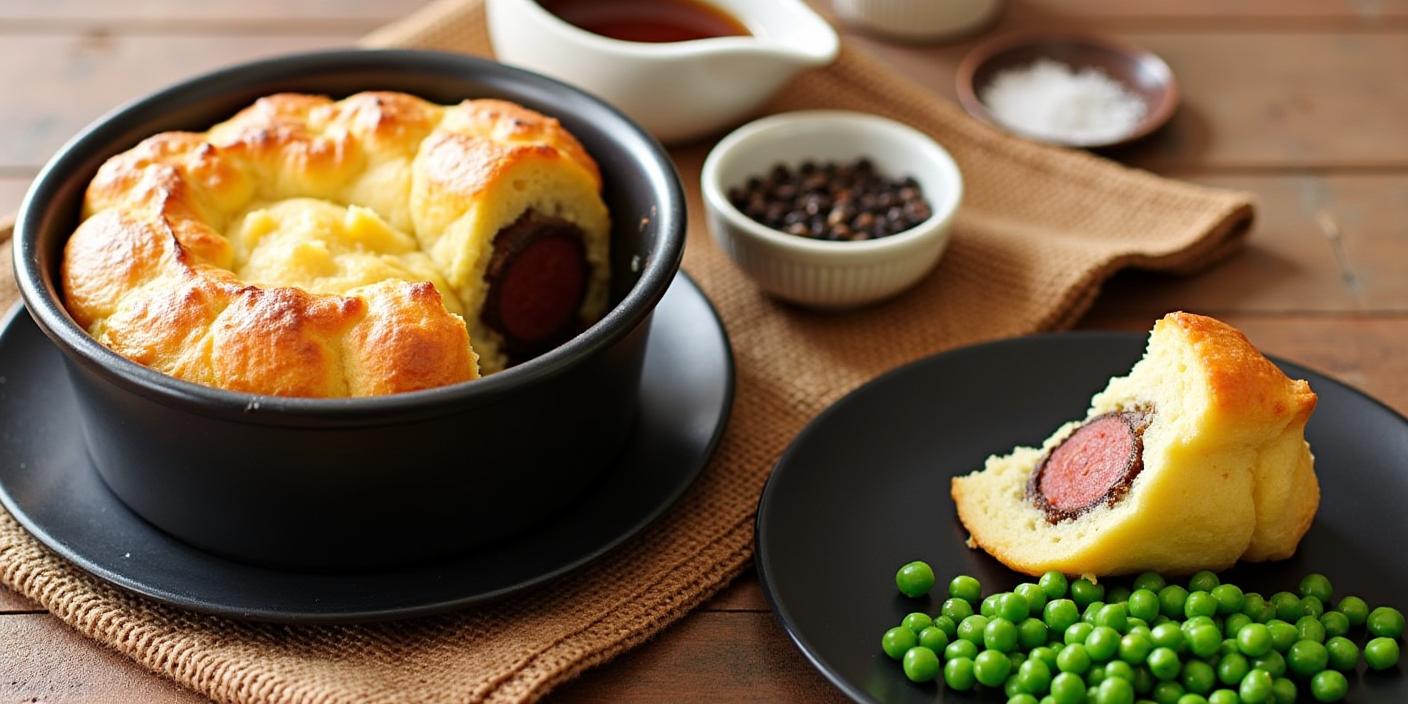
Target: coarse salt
[[1049, 100]]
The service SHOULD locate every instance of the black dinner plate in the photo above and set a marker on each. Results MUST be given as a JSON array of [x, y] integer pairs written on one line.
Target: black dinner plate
[[865, 488], [49, 485]]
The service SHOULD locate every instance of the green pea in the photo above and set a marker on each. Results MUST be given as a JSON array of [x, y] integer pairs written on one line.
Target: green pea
[[1167, 692], [897, 641], [1335, 623], [1329, 686], [1096, 675], [917, 621], [1059, 614], [1312, 606], [961, 649], [1254, 640], [1144, 604], [1167, 635], [1151, 581], [1256, 687], [1283, 635], [1353, 609], [956, 609], [921, 664], [1310, 628], [965, 588], [1034, 676], [1140, 628], [1000, 635], [1204, 641], [1381, 653], [1171, 601], [1022, 698], [1091, 610], [1102, 643], [958, 674], [1115, 690], [991, 668], [1386, 622], [1084, 591], [1316, 585], [1198, 677], [1078, 632], [1045, 654], [1200, 604], [1074, 659], [1036, 598], [1164, 664], [988, 607], [1117, 594], [1120, 669], [1224, 696], [1230, 598], [1031, 633], [1272, 662], [934, 639], [1054, 584], [1252, 605], [1227, 647], [1235, 623], [1203, 581], [1232, 668], [1010, 686], [946, 625], [1067, 688], [1307, 657], [1135, 648], [915, 579], [1114, 616], [1287, 606], [1344, 654], [1135, 624], [1192, 699], [1196, 621], [971, 629], [1284, 690], [1013, 607]]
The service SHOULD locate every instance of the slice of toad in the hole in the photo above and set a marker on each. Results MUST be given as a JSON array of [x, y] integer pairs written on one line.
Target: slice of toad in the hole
[[1194, 460]]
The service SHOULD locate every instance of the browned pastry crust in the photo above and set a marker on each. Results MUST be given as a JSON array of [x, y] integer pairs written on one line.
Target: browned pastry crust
[[150, 271]]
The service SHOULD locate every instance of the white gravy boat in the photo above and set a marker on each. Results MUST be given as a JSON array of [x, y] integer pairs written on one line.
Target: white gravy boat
[[677, 90]]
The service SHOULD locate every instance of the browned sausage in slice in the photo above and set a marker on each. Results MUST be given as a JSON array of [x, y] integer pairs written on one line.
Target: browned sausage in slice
[[1094, 465], [536, 280]]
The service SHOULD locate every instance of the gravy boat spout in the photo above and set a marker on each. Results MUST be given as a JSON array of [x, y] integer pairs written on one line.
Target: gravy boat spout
[[677, 90]]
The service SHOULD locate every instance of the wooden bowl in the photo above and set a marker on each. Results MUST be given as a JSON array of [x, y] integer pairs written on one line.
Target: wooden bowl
[[1141, 72]]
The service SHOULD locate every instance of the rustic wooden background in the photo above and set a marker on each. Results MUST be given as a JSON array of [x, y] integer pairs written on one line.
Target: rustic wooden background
[[1303, 102]]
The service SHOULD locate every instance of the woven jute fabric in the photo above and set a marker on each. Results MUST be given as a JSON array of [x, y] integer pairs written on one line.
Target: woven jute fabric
[[1038, 232]]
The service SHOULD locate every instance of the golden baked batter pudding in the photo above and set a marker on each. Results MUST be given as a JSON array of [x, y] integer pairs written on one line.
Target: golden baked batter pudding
[[371, 245], [1194, 460]]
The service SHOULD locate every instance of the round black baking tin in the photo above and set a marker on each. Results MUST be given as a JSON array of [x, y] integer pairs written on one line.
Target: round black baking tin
[[363, 482]]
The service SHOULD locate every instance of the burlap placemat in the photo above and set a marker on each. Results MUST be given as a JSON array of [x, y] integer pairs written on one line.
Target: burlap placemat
[[1040, 229]]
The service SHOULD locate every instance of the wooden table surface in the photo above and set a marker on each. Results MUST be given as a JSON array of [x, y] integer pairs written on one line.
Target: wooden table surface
[[1301, 101]]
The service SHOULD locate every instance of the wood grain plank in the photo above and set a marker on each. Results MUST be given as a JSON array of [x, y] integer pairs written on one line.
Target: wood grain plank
[[12, 603], [12, 190], [1250, 101], [219, 11], [708, 657], [1321, 243], [1221, 10], [83, 76], [45, 661]]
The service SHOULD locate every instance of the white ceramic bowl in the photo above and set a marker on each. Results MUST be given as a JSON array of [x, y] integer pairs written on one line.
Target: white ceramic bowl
[[677, 90], [919, 20], [822, 273]]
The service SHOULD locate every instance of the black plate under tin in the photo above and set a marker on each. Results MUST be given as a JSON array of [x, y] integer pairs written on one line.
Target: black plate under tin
[[48, 484], [865, 488]]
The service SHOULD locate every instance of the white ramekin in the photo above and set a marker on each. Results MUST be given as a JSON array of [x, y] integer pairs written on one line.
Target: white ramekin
[[919, 19], [821, 273]]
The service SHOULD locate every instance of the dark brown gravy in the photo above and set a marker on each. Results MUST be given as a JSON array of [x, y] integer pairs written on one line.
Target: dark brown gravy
[[652, 21]]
